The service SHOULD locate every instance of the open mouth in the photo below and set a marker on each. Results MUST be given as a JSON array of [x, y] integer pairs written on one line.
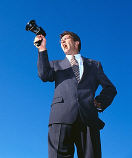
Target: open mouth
[[65, 46]]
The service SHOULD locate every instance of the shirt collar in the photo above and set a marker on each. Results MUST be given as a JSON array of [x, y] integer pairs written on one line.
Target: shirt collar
[[77, 56]]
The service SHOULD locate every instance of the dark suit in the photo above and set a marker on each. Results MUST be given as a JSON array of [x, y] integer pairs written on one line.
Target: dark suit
[[74, 101]]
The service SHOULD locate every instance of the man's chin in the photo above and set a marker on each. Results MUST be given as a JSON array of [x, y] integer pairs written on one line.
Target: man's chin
[[66, 52]]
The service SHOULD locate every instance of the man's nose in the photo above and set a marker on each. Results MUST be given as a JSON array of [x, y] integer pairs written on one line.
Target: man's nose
[[63, 41]]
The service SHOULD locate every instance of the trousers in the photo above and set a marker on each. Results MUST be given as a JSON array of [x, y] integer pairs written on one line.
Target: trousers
[[62, 139]]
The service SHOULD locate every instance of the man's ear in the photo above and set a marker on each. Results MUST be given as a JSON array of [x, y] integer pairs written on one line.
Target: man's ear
[[76, 44]]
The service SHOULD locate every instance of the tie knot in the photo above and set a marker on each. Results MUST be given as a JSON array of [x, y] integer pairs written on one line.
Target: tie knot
[[74, 61], [73, 57]]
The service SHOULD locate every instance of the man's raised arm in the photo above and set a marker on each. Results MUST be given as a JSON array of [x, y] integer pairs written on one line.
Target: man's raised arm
[[45, 68]]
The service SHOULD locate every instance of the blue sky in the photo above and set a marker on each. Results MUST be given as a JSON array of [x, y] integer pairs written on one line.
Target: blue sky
[[105, 29]]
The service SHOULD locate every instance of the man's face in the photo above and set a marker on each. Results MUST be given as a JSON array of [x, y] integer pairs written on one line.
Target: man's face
[[68, 45]]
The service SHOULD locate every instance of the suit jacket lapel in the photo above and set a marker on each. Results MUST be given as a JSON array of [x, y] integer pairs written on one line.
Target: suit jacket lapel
[[86, 68], [67, 66]]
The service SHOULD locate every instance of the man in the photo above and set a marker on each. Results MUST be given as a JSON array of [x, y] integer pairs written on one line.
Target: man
[[74, 111]]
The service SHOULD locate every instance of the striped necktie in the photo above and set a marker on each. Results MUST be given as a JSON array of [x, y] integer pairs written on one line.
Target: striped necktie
[[75, 67]]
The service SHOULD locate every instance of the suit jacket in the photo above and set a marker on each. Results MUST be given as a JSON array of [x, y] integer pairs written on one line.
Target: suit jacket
[[72, 98]]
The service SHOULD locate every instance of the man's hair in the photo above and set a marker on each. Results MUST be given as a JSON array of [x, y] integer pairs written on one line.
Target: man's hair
[[74, 36]]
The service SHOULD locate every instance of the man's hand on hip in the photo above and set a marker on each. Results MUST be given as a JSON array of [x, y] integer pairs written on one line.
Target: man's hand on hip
[[96, 104]]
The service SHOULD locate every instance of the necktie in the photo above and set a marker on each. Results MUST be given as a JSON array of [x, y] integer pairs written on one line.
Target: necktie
[[75, 67]]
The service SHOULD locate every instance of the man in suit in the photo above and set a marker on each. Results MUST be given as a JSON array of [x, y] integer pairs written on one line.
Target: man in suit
[[74, 111]]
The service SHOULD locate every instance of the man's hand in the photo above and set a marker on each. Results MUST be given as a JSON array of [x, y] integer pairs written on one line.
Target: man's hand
[[42, 47], [98, 106]]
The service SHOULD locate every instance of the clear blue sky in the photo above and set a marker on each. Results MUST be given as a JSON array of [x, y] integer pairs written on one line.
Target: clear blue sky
[[105, 28]]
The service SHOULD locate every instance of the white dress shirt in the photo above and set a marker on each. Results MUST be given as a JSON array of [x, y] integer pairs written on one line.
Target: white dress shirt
[[80, 62]]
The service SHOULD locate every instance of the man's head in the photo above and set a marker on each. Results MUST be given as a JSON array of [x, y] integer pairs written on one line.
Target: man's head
[[70, 43]]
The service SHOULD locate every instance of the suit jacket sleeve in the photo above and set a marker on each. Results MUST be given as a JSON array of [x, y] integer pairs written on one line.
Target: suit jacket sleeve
[[108, 92], [45, 68]]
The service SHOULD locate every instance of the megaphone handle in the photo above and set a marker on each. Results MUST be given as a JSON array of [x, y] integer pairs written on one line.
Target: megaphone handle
[[38, 43]]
